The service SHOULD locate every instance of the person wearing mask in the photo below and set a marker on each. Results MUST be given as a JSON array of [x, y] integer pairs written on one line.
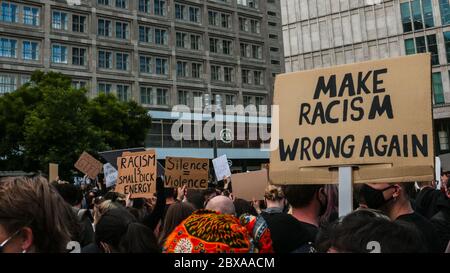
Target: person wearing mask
[[393, 199], [117, 231], [34, 217], [176, 213]]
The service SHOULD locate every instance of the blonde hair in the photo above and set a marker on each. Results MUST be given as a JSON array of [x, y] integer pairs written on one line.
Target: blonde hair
[[102, 208], [273, 193]]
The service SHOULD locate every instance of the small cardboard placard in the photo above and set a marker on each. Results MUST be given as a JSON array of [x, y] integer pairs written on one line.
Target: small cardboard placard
[[250, 185], [88, 165]]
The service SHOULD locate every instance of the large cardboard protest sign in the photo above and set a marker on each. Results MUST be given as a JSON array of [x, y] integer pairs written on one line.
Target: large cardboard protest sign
[[181, 171], [250, 185], [88, 165], [374, 115], [137, 174], [221, 167]]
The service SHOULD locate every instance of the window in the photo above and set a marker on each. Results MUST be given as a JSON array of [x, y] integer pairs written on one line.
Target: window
[[104, 27], [245, 50], [31, 16], [228, 74], [195, 42], [180, 39], [447, 44], [104, 59], [259, 101], [121, 30], [7, 83], [78, 84], [248, 3], [161, 96], [103, 2], [78, 23], [421, 45], [275, 62], [160, 36], [438, 91], [144, 6], [104, 88], [146, 95], [194, 14], [243, 24], [145, 34], [230, 100], [182, 68], [245, 76], [161, 66], [247, 100], [78, 56], [215, 72], [256, 52], [122, 92], [444, 6], [273, 36], [255, 26], [160, 7], [179, 12], [196, 70], [225, 20], [213, 45], [59, 54], [145, 64], [183, 97], [122, 4], [417, 14], [257, 78], [8, 48], [213, 17], [122, 61], [9, 12], [226, 46], [30, 50], [59, 20]]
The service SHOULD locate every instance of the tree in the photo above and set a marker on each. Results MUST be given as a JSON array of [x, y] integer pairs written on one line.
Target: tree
[[47, 120]]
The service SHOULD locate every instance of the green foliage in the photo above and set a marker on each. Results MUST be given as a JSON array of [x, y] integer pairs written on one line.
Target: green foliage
[[47, 120]]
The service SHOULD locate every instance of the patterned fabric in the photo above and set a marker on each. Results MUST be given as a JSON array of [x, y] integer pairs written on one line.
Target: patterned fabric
[[208, 231], [259, 230]]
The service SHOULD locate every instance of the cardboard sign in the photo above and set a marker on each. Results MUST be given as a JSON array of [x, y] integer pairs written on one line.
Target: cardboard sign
[[192, 172], [52, 172], [137, 174], [374, 115], [250, 185], [88, 165], [110, 175], [221, 167]]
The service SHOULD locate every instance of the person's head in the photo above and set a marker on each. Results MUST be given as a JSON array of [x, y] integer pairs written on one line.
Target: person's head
[[170, 193], [274, 197], [221, 204], [176, 213], [444, 177], [310, 197], [364, 231], [244, 207], [119, 232], [69, 192], [196, 198], [102, 207], [33, 216], [385, 196]]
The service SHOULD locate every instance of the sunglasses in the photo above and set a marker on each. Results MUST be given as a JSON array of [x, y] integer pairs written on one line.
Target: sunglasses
[[5, 242]]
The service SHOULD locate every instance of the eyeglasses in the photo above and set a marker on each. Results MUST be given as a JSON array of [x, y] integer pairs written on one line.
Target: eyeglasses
[[5, 242]]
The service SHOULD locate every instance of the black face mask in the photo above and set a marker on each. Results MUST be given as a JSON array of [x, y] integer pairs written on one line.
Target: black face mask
[[374, 198]]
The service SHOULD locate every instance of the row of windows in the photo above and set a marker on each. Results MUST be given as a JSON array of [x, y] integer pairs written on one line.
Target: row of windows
[[417, 15], [15, 13], [9, 82], [9, 48], [423, 44]]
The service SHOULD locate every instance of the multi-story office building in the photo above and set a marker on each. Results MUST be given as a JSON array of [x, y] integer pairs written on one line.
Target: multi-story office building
[[159, 53], [321, 33]]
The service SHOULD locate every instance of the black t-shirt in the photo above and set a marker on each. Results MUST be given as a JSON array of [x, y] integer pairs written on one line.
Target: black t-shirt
[[429, 233], [288, 234]]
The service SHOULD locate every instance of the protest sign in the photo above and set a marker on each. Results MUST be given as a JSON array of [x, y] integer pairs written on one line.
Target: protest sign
[[88, 165], [52, 172], [137, 174], [375, 116], [250, 185], [221, 167], [192, 172], [110, 175]]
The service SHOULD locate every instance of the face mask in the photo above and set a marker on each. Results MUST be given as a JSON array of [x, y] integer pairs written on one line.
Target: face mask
[[374, 198]]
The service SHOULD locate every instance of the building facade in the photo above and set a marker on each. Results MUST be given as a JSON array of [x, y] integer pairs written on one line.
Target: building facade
[[322, 33], [159, 53]]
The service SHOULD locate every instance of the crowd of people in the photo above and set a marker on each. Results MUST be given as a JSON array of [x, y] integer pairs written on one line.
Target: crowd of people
[[41, 216]]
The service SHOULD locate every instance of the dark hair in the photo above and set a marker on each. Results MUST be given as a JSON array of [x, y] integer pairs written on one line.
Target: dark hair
[[119, 229], [300, 196], [196, 198], [244, 207], [32, 202], [354, 232], [176, 213], [170, 193], [69, 192]]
